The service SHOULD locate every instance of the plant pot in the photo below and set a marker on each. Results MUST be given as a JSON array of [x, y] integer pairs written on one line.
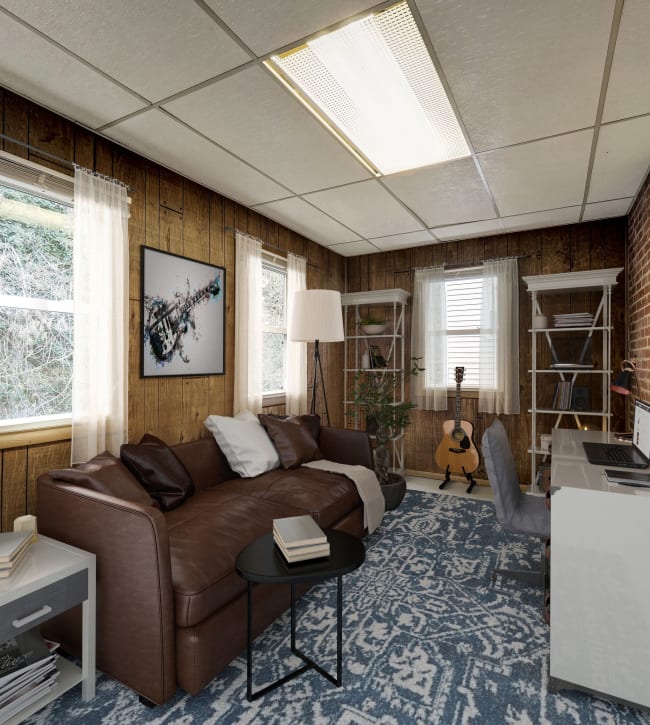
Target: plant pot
[[393, 490], [373, 329]]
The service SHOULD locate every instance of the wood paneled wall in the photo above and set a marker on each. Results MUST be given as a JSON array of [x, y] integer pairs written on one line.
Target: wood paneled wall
[[171, 213], [594, 245]]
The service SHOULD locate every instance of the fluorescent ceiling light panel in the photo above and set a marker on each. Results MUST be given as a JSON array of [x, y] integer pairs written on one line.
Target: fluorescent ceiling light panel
[[375, 83]]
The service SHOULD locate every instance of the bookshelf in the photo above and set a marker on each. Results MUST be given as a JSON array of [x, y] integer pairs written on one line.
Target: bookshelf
[[568, 388], [390, 304]]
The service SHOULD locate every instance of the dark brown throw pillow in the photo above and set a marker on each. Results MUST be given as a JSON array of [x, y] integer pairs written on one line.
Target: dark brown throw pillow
[[106, 474], [158, 469], [293, 441], [311, 421]]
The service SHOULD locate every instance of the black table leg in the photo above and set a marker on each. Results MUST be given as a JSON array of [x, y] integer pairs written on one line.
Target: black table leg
[[249, 644], [339, 632]]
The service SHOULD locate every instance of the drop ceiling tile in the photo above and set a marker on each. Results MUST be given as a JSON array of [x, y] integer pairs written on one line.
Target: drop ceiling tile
[[607, 209], [521, 69], [443, 194], [303, 218], [367, 208], [155, 47], [353, 249], [402, 241], [622, 159], [257, 119], [628, 92], [158, 137], [468, 231], [541, 219], [268, 25], [546, 174], [74, 90]]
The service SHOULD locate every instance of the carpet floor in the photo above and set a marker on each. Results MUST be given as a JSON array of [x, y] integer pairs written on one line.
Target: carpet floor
[[428, 638]]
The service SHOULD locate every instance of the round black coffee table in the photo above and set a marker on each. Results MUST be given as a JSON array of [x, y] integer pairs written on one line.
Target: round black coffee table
[[263, 563]]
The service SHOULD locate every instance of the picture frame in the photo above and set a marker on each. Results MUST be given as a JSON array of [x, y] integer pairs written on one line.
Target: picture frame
[[376, 358], [183, 321]]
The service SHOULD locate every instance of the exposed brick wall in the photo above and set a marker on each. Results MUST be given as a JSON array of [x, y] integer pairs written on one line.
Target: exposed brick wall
[[638, 288]]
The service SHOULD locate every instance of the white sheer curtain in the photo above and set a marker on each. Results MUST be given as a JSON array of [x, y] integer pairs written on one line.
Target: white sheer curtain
[[499, 347], [429, 339], [248, 324], [101, 316], [296, 372]]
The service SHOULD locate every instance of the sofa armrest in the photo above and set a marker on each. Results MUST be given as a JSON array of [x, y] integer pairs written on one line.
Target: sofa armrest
[[346, 446], [135, 610]]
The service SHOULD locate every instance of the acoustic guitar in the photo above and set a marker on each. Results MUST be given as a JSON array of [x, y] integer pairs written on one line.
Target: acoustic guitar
[[456, 452]]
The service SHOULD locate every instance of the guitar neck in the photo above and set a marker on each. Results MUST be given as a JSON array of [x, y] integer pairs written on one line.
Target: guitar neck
[[457, 409]]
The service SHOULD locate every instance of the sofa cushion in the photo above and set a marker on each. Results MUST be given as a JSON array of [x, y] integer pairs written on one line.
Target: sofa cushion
[[205, 462], [205, 536], [293, 441], [244, 443], [105, 474], [158, 469]]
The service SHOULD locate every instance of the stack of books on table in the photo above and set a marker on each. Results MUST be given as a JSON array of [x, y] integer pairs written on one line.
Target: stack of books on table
[[27, 672], [13, 547], [300, 538]]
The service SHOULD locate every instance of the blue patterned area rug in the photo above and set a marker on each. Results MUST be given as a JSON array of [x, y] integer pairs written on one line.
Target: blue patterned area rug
[[428, 638]]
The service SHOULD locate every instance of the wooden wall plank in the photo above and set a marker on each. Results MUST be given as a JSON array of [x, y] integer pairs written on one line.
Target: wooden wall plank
[[41, 459], [14, 486]]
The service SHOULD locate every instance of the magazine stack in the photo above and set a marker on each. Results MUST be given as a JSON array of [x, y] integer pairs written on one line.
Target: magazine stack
[[27, 672], [300, 538]]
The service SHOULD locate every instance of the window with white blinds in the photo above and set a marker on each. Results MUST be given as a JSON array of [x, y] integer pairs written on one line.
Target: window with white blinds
[[463, 293]]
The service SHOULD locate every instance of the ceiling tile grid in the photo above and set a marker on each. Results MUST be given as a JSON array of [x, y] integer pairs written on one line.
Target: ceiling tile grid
[[183, 84]]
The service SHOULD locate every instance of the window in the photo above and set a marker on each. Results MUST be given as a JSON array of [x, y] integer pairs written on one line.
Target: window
[[36, 322], [463, 296], [274, 328]]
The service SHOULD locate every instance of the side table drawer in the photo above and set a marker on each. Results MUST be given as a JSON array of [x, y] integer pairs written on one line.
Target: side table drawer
[[39, 606]]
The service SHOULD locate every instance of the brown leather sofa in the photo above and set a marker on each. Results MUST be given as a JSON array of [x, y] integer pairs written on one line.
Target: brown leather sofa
[[171, 609]]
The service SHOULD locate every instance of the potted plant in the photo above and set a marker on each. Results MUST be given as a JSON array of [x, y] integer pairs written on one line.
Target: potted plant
[[372, 325], [374, 395]]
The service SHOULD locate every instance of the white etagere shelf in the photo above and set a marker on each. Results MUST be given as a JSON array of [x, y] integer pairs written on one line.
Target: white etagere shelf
[[600, 329], [392, 342]]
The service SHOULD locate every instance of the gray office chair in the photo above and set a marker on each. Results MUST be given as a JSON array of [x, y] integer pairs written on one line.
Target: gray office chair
[[516, 511]]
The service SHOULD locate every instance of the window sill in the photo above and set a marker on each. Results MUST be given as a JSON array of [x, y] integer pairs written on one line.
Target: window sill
[[22, 438], [273, 399]]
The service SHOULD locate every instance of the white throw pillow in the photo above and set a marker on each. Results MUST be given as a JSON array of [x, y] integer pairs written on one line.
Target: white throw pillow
[[245, 443]]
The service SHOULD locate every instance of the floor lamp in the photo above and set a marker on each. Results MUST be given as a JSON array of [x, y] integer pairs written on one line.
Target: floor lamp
[[317, 317]]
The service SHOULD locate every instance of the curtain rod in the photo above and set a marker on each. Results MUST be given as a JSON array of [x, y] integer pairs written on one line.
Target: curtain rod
[[61, 161], [464, 265], [264, 244]]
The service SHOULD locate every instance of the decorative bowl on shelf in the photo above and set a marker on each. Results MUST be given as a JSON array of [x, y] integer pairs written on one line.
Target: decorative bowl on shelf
[[375, 329]]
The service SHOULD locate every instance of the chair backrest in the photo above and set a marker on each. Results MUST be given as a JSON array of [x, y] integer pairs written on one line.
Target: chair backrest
[[502, 473]]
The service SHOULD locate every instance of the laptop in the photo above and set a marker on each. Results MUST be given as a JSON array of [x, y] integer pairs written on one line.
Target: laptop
[[614, 454]]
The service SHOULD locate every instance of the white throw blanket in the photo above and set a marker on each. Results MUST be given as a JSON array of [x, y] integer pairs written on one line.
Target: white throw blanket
[[367, 485]]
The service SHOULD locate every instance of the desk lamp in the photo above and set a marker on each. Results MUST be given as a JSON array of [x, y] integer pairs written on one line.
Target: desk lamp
[[317, 317]]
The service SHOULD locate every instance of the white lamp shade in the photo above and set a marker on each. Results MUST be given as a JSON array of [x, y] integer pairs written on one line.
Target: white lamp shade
[[316, 315]]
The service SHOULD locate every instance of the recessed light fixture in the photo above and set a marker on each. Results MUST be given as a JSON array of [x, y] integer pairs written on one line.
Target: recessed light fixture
[[372, 83]]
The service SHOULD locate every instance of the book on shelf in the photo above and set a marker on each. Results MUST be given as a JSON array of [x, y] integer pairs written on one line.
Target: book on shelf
[[562, 395], [298, 531], [573, 319]]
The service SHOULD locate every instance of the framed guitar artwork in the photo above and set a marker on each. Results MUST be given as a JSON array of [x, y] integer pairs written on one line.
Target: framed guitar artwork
[[183, 315], [457, 452]]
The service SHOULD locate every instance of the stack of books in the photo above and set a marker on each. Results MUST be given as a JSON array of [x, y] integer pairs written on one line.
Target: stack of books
[[13, 547], [300, 538], [27, 672], [574, 319]]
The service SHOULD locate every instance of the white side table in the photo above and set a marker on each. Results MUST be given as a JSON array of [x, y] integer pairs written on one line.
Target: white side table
[[52, 578]]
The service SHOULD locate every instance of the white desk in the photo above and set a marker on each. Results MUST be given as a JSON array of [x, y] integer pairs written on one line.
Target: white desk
[[600, 577]]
